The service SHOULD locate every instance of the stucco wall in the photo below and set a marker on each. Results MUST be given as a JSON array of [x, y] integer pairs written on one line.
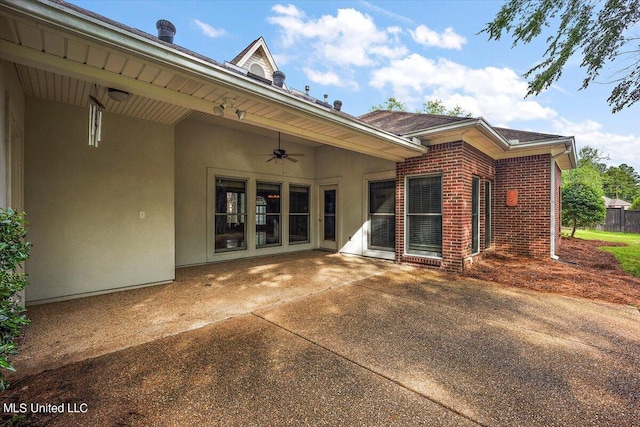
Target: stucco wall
[[83, 203], [204, 151], [350, 170]]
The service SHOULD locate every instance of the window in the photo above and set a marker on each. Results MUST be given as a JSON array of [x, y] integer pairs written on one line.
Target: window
[[475, 215], [298, 214], [382, 219], [257, 70], [230, 215], [487, 214], [268, 218], [424, 215]]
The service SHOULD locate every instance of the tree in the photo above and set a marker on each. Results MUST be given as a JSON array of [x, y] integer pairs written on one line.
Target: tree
[[636, 204], [390, 104], [621, 182], [436, 106], [582, 205], [597, 30], [594, 157]]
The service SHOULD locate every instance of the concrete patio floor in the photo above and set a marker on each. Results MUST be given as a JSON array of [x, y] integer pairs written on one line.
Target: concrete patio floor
[[324, 339]]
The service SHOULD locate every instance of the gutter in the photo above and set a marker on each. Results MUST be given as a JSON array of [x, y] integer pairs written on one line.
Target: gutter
[[68, 20]]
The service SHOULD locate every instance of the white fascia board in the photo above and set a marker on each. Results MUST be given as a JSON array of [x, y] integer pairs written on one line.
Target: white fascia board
[[568, 142], [85, 26]]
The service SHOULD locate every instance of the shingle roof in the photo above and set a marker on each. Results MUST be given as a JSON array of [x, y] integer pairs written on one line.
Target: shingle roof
[[525, 136], [402, 123]]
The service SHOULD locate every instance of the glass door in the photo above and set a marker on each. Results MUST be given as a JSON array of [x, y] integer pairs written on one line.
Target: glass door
[[328, 217]]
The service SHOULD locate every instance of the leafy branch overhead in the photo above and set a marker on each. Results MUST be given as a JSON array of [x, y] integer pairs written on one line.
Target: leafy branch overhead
[[597, 31]]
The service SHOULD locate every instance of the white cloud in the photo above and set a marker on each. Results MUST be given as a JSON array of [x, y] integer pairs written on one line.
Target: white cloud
[[620, 148], [495, 93], [208, 30], [329, 78], [350, 38], [447, 40]]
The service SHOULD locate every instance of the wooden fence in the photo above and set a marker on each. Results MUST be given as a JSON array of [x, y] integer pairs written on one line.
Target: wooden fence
[[621, 220]]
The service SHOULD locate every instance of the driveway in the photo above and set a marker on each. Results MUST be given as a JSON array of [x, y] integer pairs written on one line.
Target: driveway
[[318, 339]]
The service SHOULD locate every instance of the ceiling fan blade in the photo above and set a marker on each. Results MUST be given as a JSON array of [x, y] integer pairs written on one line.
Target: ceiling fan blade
[[296, 154], [290, 159], [273, 158]]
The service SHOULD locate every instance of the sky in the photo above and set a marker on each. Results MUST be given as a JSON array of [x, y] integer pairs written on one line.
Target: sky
[[363, 52]]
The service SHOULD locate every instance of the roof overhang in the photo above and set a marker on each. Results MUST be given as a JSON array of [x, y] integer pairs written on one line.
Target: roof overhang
[[479, 133], [61, 41]]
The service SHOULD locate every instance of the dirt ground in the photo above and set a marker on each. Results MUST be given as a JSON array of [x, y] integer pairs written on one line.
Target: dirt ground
[[583, 271]]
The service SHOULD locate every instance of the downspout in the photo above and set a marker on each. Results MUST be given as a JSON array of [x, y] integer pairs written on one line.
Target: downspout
[[568, 150], [553, 209]]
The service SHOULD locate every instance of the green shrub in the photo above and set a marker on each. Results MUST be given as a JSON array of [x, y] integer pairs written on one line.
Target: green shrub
[[13, 252]]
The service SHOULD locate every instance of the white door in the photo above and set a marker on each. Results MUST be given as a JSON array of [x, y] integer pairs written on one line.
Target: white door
[[329, 217]]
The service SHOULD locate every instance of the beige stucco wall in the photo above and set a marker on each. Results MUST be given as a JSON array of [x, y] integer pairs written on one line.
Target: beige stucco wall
[[351, 171], [204, 151], [83, 203]]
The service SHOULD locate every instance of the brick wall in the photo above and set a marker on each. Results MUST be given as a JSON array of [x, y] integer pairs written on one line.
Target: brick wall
[[457, 163], [524, 229]]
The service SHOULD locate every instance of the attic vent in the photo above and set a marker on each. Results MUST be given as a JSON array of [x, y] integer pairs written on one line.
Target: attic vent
[[257, 70], [166, 30]]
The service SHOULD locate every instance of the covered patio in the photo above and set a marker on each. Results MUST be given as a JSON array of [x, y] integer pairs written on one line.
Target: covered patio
[[69, 331]]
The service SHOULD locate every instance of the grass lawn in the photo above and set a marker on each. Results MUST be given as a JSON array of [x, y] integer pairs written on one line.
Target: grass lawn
[[629, 256]]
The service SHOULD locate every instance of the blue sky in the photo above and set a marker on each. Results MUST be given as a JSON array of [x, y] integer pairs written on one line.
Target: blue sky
[[363, 52]]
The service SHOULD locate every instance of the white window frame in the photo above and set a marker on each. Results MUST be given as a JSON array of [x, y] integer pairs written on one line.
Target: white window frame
[[475, 221], [413, 252]]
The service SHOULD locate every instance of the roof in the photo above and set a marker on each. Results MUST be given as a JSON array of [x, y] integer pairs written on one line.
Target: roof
[[498, 143], [402, 123], [615, 202]]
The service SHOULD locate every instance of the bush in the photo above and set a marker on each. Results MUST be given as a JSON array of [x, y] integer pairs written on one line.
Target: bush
[[13, 252], [636, 204]]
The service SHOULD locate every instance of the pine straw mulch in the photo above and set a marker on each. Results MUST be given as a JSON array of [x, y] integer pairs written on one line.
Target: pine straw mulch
[[582, 271]]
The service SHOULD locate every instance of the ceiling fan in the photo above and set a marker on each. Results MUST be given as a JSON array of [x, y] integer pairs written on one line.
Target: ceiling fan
[[281, 153]]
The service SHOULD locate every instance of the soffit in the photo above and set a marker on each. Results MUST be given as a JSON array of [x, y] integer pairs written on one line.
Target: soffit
[[56, 63]]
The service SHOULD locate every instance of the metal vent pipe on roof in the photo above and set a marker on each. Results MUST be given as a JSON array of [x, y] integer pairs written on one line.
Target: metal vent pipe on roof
[[337, 104], [166, 30], [278, 78]]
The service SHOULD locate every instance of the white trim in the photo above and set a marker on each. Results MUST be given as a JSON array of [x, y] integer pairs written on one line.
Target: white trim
[[479, 180], [405, 247], [553, 209], [338, 241], [251, 179], [366, 179]]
